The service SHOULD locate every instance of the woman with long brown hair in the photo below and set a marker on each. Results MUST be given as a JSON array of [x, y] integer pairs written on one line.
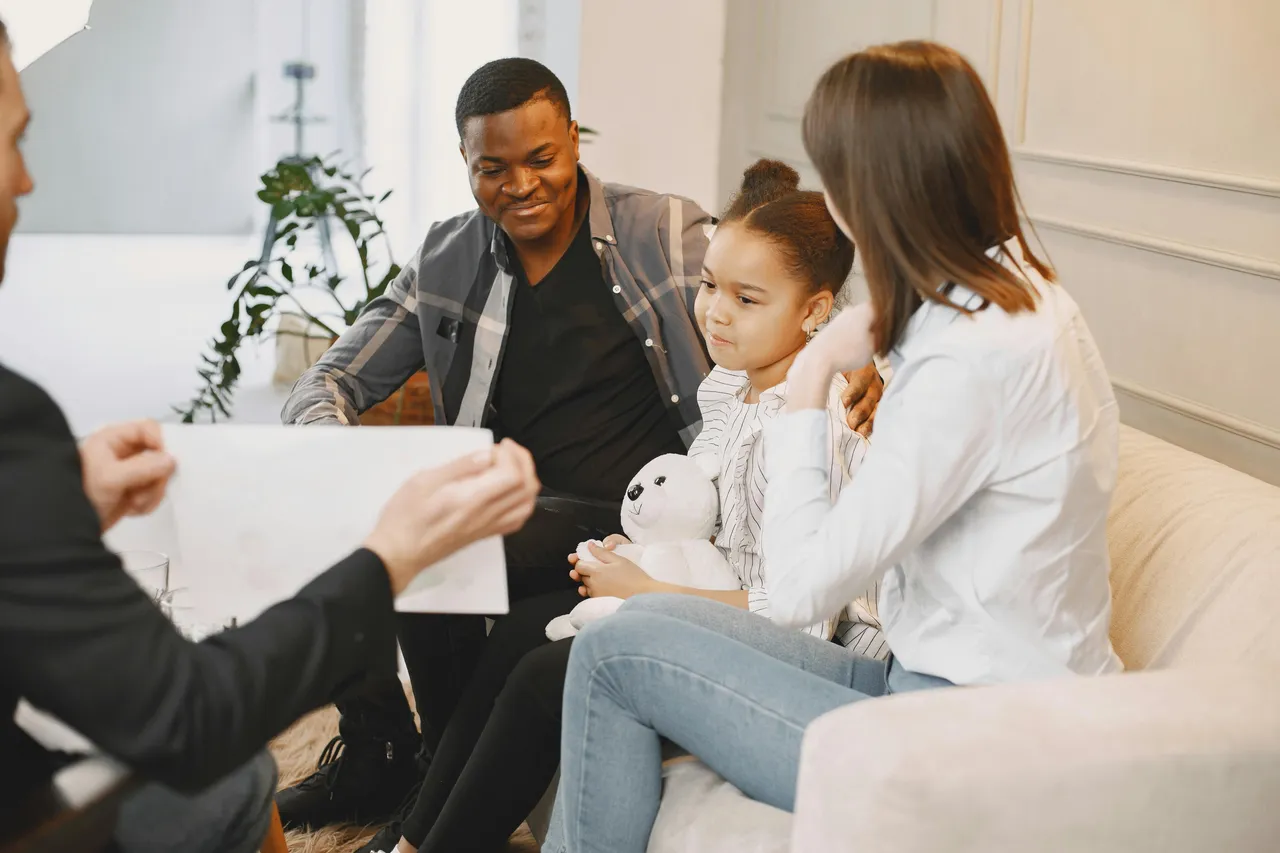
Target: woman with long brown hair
[[981, 508]]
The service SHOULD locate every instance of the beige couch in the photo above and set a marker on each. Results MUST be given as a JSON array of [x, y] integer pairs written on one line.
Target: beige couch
[[1182, 753]]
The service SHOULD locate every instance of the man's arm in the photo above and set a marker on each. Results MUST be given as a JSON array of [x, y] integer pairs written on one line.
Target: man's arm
[[79, 639], [367, 364], [861, 398]]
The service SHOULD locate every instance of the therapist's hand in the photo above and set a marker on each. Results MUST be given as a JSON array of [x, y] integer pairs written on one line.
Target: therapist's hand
[[440, 511], [125, 470], [846, 344]]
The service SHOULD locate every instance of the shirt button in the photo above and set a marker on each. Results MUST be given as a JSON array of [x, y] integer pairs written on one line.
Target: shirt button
[[617, 289], [648, 342], [675, 398]]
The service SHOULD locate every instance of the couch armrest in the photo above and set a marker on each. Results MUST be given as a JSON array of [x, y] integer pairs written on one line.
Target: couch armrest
[[1172, 761]]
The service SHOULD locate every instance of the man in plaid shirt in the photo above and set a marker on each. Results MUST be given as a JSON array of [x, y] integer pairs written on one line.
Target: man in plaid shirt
[[558, 313]]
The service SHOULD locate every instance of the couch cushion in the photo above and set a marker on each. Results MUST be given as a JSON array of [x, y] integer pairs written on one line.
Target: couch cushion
[[702, 813], [1195, 559]]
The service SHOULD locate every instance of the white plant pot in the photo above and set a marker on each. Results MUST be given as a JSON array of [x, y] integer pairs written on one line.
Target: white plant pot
[[299, 345]]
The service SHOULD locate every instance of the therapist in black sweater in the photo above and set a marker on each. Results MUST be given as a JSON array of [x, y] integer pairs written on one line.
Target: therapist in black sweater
[[80, 639]]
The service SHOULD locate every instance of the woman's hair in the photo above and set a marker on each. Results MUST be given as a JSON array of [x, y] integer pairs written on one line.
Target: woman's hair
[[771, 204], [912, 156]]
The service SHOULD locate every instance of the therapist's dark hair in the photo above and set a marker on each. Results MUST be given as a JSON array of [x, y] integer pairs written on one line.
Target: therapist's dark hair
[[913, 160]]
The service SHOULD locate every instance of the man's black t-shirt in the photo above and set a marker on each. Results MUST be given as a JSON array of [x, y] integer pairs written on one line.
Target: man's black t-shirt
[[574, 386]]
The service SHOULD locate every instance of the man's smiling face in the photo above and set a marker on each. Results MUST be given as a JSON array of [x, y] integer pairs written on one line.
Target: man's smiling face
[[523, 167]]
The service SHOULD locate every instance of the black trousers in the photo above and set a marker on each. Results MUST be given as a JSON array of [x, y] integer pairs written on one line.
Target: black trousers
[[442, 651], [502, 746]]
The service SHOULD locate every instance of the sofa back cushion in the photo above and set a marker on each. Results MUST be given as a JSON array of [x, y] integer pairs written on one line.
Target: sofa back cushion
[[1195, 559]]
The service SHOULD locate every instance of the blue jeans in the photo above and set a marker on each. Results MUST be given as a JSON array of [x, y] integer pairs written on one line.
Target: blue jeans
[[230, 816], [728, 686]]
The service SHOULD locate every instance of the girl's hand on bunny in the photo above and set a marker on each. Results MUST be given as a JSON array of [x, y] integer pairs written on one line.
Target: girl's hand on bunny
[[611, 575], [613, 540]]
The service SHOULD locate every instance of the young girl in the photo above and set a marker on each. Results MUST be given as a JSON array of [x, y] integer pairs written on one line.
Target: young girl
[[983, 505], [773, 270], [770, 279]]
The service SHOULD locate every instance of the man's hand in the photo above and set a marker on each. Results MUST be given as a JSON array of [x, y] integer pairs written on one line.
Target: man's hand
[[611, 575], [125, 470], [862, 397], [440, 511]]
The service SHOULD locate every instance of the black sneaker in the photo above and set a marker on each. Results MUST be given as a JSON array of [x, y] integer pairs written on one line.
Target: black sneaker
[[386, 839], [366, 785]]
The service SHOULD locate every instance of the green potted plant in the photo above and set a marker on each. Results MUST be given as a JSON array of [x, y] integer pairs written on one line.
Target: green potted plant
[[305, 195]]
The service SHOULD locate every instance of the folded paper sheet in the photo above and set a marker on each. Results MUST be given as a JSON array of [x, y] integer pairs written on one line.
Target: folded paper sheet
[[258, 511]]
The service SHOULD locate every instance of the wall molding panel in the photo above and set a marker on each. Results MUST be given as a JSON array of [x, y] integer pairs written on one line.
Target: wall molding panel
[[1251, 430], [1196, 254], [1155, 171]]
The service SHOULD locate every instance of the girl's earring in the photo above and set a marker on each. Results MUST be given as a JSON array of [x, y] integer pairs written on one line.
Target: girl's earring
[[808, 335]]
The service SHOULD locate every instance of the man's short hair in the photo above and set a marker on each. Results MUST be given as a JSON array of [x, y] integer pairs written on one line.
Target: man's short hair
[[505, 84], [4, 32]]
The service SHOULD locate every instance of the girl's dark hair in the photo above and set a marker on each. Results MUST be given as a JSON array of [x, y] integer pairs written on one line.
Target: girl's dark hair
[[910, 150], [771, 204]]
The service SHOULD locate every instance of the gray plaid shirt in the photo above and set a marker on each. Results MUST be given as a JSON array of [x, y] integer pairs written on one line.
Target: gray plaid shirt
[[450, 308]]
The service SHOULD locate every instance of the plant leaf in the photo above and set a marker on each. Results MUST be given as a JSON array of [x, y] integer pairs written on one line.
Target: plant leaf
[[392, 272], [286, 271]]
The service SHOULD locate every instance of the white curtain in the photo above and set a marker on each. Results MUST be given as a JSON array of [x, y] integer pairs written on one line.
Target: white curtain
[[417, 55]]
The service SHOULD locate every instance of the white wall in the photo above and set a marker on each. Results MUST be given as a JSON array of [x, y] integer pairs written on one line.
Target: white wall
[[650, 81], [156, 120], [418, 55], [550, 31], [1144, 138], [113, 324]]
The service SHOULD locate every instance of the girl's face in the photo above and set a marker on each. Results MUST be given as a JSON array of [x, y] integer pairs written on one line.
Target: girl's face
[[753, 311]]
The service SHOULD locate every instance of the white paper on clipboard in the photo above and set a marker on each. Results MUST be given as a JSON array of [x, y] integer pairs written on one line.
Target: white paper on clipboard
[[259, 511]]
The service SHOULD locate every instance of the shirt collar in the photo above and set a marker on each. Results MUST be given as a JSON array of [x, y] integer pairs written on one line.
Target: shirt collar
[[600, 219], [598, 216], [776, 393], [932, 315]]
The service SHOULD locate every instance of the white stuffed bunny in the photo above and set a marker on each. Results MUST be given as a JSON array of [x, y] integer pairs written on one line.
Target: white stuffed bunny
[[669, 515]]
